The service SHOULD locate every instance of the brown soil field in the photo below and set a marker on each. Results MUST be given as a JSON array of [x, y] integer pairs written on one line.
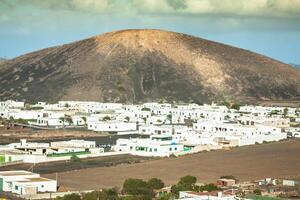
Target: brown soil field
[[7, 136], [280, 159], [63, 166]]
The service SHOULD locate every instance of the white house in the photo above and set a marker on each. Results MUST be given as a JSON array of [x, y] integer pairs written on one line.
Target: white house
[[155, 130], [111, 126], [215, 195], [156, 145], [12, 104], [24, 182]]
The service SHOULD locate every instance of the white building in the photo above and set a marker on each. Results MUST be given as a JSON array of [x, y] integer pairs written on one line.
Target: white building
[[215, 195], [156, 145], [246, 135], [24, 182], [111, 126], [12, 104]]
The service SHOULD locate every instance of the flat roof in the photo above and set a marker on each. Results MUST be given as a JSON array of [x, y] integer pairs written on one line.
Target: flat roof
[[39, 179], [15, 173]]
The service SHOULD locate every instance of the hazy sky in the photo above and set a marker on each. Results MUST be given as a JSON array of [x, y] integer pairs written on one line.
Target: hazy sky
[[270, 27]]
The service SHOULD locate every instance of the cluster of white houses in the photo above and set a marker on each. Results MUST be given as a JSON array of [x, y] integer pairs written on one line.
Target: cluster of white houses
[[37, 152], [172, 129]]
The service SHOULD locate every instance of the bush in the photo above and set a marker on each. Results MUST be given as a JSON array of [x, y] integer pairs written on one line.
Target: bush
[[106, 118], [155, 183], [146, 109], [229, 177], [257, 191], [105, 194], [136, 187], [186, 183], [188, 180], [136, 197], [165, 196], [75, 158], [209, 187]]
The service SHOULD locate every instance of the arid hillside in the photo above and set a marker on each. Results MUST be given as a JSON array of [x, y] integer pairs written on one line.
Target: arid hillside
[[146, 65]]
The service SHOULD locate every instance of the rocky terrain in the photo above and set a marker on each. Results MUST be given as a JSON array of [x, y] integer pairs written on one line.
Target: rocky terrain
[[146, 65], [2, 60], [296, 65]]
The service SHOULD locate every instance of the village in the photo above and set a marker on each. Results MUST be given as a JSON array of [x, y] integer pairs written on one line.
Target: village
[[150, 130]]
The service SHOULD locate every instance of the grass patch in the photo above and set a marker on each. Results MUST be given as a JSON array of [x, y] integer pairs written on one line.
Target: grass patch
[[69, 154]]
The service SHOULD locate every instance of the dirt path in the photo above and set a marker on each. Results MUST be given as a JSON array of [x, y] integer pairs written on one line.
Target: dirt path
[[246, 163]]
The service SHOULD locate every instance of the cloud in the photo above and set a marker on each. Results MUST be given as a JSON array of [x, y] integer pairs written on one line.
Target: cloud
[[252, 8]]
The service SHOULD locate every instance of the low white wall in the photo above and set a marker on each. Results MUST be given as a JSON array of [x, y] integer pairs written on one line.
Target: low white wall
[[51, 195], [43, 158]]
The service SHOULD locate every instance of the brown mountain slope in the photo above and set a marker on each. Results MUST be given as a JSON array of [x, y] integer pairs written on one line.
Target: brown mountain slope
[[143, 65]]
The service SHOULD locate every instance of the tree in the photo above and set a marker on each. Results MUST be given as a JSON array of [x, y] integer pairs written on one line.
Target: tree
[[127, 118], [84, 119], [106, 118], [190, 180], [209, 187], [235, 106], [155, 183], [186, 183], [62, 119], [105, 194], [136, 187], [274, 112], [11, 119], [69, 120], [285, 112], [169, 117], [95, 195], [146, 109], [145, 119], [227, 117], [297, 112], [257, 191], [165, 196]]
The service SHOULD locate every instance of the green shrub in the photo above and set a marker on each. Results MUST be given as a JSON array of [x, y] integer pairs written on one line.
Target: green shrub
[[135, 187], [257, 191], [229, 177], [75, 158], [155, 183]]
